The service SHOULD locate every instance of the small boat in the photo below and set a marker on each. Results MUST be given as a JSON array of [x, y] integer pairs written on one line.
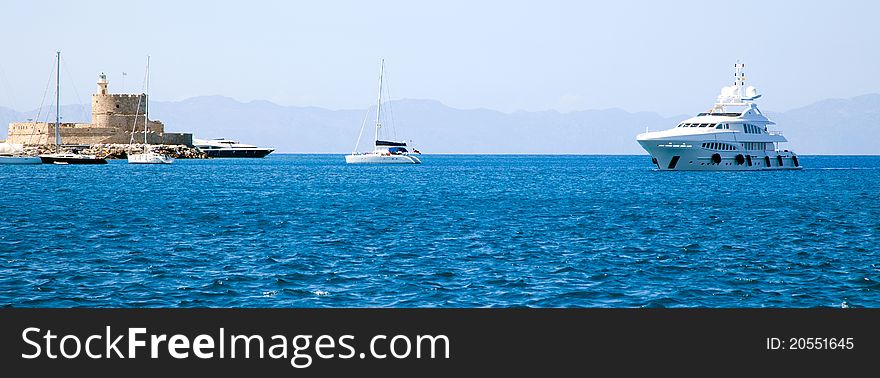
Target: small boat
[[71, 158], [64, 157], [384, 151], [150, 157], [20, 159], [147, 156], [12, 154], [226, 148]]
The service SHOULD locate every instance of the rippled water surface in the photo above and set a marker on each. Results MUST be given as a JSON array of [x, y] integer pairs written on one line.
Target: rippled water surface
[[543, 231]]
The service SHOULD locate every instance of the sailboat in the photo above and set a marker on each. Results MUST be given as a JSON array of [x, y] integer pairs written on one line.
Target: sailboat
[[147, 156], [65, 157], [13, 154], [384, 151]]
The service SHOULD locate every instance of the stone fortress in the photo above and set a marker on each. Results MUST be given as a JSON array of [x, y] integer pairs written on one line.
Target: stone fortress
[[114, 118]]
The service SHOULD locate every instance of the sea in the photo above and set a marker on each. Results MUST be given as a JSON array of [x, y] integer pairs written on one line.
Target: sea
[[456, 231]]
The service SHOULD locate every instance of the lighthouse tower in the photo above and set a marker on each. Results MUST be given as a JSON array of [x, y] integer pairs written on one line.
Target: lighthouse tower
[[102, 84], [123, 112]]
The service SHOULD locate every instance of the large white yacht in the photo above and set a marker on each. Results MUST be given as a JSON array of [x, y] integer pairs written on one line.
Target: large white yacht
[[733, 135], [225, 148]]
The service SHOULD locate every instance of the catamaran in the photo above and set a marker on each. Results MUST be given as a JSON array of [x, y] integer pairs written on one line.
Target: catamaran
[[64, 157], [148, 156], [384, 151]]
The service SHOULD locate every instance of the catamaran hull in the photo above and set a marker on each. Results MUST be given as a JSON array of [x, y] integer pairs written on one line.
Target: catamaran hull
[[690, 156], [382, 159], [20, 160]]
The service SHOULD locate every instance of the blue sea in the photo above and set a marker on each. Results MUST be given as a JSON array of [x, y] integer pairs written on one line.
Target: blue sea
[[457, 231]]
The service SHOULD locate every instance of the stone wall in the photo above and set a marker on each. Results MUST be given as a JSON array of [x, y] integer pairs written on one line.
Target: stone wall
[[126, 123], [118, 104], [114, 118], [42, 133]]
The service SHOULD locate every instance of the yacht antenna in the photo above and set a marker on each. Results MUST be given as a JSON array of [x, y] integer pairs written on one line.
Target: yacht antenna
[[740, 79]]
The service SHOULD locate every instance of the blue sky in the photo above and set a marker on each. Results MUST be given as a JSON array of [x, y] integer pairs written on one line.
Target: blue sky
[[669, 57]]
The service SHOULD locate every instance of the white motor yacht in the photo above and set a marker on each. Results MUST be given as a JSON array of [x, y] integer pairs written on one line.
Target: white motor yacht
[[733, 135], [225, 148]]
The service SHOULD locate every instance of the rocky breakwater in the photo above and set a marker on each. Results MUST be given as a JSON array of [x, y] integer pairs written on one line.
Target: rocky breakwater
[[120, 151]]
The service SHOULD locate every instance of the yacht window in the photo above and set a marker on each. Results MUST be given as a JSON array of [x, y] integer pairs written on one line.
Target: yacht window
[[704, 124], [718, 126]]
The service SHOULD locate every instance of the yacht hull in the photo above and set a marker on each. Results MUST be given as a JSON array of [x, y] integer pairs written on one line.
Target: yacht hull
[[79, 159], [690, 156], [382, 159], [20, 160], [149, 158], [234, 153]]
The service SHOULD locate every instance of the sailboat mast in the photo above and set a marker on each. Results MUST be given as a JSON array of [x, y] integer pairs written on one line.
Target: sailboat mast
[[146, 103], [379, 102], [57, 100]]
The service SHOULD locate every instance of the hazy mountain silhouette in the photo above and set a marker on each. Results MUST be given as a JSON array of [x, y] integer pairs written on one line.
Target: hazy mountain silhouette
[[835, 126]]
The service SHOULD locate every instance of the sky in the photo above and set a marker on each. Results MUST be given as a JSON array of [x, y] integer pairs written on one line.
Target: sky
[[669, 57]]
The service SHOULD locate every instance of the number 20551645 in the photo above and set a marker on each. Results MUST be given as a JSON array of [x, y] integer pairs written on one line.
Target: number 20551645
[[810, 343]]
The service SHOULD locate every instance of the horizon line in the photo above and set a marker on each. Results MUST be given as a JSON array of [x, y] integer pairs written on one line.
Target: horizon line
[[441, 103]]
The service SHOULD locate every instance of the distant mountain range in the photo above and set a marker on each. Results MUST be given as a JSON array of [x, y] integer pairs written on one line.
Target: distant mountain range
[[835, 126]]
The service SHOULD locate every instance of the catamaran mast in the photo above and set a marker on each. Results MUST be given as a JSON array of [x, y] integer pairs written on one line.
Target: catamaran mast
[[379, 102], [57, 100]]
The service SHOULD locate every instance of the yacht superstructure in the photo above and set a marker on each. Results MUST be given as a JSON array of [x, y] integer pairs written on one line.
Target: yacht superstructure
[[733, 135]]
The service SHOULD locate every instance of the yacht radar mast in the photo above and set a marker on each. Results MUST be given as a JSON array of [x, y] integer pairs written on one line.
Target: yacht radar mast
[[737, 94]]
